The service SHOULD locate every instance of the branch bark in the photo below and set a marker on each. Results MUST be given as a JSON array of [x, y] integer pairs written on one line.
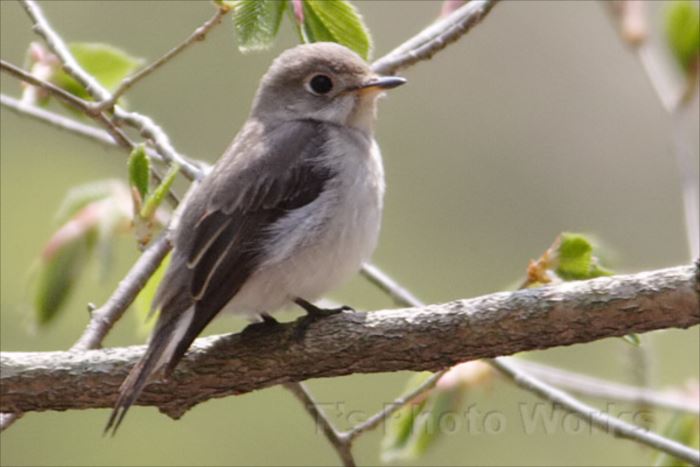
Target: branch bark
[[422, 338]]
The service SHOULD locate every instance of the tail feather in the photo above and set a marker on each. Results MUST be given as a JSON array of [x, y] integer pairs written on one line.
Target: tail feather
[[165, 338]]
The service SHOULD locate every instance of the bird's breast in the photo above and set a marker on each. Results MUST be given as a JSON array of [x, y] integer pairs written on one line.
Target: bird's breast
[[321, 245]]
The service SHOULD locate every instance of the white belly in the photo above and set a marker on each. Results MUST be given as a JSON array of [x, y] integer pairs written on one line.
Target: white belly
[[321, 245]]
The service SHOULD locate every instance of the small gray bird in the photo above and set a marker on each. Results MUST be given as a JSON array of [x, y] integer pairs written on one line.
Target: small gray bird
[[289, 212]]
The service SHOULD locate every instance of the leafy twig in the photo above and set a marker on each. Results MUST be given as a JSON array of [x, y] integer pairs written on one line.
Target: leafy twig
[[376, 419], [116, 133], [144, 125], [59, 47], [28, 78]]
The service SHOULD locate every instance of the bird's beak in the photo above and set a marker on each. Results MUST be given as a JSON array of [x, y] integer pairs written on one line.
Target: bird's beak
[[381, 83]]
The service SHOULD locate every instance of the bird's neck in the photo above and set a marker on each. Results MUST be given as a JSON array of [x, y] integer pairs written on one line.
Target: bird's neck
[[364, 114]]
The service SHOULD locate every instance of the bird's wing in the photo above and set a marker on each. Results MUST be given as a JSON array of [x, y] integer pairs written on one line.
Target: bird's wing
[[221, 235]]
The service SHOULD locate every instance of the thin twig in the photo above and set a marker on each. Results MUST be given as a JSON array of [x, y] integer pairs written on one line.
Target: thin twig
[[59, 121], [26, 77], [385, 283], [591, 386], [341, 445], [673, 102], [66, 124], [434, 38], [376, 419], [103, 318], [594, 416], [199, 34], [653, 70]]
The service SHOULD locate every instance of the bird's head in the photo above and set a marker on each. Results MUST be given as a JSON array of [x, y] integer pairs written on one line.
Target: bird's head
[[323, 81]]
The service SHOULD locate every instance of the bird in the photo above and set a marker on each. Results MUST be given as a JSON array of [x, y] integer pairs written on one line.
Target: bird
[[290, 211]]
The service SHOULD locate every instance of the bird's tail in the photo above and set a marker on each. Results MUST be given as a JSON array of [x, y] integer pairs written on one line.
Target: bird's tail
[[165, 338]]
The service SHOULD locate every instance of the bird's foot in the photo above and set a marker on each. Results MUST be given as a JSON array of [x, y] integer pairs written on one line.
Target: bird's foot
[[266, 322], [315, 312]]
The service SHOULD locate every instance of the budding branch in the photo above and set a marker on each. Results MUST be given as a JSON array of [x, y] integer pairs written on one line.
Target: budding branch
[[421, 338]]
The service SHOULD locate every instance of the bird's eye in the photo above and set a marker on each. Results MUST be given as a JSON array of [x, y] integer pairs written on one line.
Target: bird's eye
[[320, 84]]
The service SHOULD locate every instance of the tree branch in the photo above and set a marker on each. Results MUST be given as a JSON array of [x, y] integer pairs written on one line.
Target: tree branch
[[585, 385], [434, 38], [59, 121], [375, 420], [341, 444], [674, 101], [199, 34], [59, 93], [596, 417], [425, 338], [103, 318]]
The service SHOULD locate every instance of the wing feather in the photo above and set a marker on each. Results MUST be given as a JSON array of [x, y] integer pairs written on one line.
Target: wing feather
[[220, 239]]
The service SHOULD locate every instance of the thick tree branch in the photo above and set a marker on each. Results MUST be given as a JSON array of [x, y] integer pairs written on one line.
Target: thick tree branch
[[427, 338]]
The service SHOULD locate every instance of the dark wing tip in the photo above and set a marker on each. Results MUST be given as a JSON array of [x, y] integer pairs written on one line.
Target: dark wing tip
[[116, 418]]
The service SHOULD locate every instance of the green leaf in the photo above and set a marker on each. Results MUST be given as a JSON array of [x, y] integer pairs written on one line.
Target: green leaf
[[107, 64], [143, 300], [58, 275], [632, 339], [336, 21], [684, 428], [257, 22], [576, 260], [683, 32], [415, 427], [113, 220], [139, 170], [155, 199], [400, 427], [225, 4]]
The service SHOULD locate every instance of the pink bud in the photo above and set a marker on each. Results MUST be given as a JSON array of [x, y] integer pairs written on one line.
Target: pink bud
[[448, 6], [298, 11]]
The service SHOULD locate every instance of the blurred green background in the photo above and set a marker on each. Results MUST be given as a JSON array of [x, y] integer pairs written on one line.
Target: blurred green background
[[538, 121]]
